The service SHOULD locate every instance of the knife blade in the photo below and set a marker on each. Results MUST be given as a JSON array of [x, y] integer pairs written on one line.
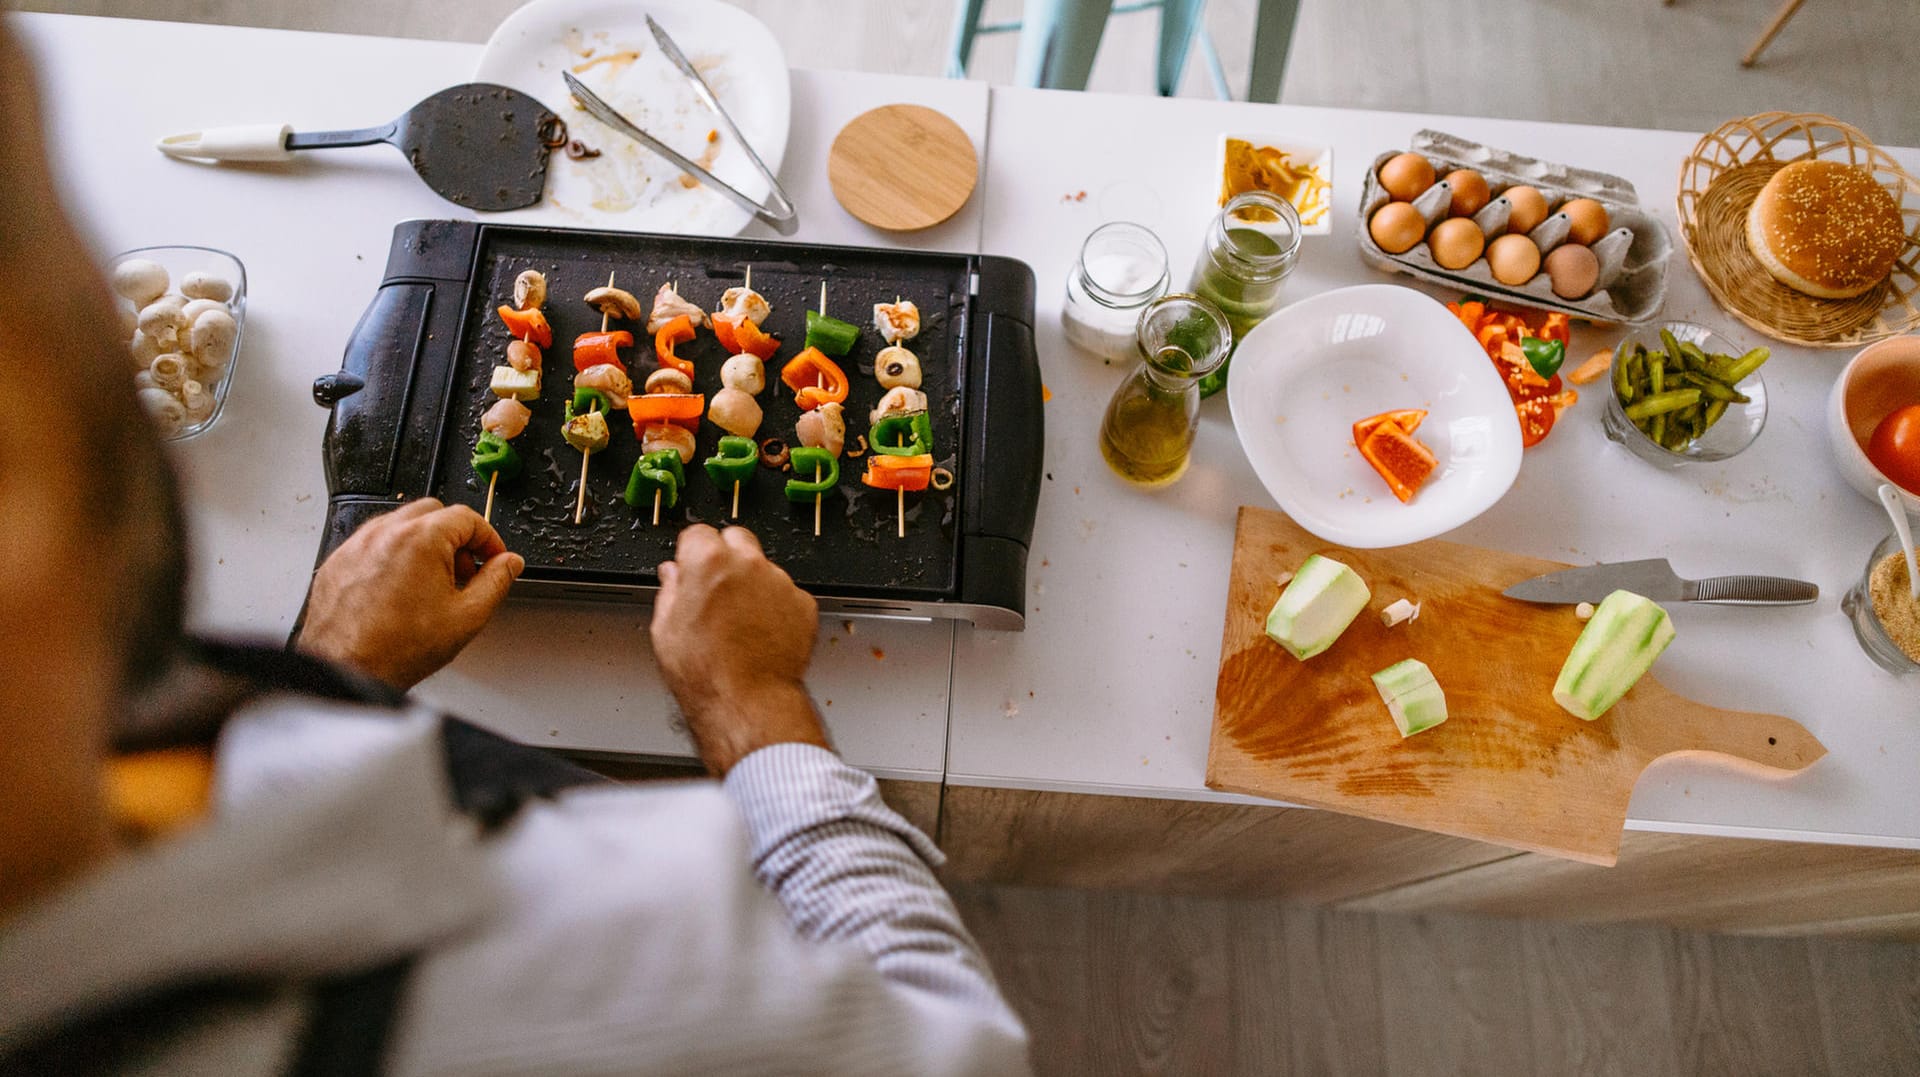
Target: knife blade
[[1656, 579]]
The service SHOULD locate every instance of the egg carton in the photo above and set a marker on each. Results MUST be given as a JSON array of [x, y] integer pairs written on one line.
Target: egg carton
[[1633, 255]]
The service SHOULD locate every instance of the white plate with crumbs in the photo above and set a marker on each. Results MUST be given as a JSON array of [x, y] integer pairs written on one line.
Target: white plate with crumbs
[[607, 45], [1303, 377]]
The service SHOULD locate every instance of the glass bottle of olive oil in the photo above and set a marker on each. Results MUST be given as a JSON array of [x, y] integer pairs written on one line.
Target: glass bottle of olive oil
[[1250, 248], [1147, 434]]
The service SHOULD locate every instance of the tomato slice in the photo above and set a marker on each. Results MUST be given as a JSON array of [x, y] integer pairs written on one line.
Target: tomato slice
[[1407, 419], [1536, 419], [1895, 447]]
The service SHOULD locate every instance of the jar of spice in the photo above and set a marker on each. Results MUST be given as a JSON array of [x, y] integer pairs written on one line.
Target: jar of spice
[[1122, 267], [1147, 434], [1250, 248], [1885, 615]]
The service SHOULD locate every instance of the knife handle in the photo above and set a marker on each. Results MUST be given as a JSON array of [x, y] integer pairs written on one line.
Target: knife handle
[[1754, 591]]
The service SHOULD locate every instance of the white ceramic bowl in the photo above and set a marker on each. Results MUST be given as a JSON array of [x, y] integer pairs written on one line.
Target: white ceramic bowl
[[1880, 378], [1316, 155], [1303, 377]]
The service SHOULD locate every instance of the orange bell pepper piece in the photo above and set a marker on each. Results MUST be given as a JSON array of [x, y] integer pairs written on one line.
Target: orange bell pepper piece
[[1470, 313], [1407, 419], [527, 325], [593, 349], [1400, 459], [674, 333], [681, 409], [898, 472], [814, 379], [740, 336]]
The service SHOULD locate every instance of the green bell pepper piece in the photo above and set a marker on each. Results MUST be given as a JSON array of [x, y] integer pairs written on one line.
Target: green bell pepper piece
[[831, 335], [492, 455], [913, 428], [806, 460], [1545, 356], [734, 461], [656, 471], [586, 399]]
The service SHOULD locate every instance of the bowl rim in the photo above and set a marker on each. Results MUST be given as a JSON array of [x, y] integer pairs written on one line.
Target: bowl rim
[[1638, 335], [1841, 432]]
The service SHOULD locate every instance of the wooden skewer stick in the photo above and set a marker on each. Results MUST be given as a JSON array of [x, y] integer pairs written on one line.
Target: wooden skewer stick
[[580, 505], [492, 481], [656, 506], [900, 503], [736, 500], [819, 382]]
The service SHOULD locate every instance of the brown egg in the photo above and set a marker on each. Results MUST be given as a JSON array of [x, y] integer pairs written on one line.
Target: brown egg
[[1397, 227], [1574, 271], [1514, 259], [1529, 208], [1470, 192], [1406, 175], [1587, 220], [1456, 243]]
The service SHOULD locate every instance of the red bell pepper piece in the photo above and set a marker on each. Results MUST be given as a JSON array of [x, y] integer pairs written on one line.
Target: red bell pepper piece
[[898, 472], [1400, 459], [527, 325], [681, 409], [592, 349], [740, 336], [1407, 419], [671, 335], [814, 379]]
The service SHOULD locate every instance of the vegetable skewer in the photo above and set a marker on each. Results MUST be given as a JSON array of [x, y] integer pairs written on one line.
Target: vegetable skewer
[[513, 383], [588, 429]]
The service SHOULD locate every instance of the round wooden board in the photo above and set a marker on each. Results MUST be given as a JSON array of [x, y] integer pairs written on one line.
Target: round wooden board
[[902, 167]]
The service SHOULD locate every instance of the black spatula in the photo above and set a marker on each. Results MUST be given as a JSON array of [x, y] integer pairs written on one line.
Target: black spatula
[[477, 145]]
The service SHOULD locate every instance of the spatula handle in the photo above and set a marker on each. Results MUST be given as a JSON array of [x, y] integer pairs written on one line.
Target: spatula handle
[[327, 140]]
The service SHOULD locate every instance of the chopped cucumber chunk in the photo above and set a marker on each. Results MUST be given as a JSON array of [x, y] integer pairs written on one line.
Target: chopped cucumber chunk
[[1413, 697], [1618, 646], [1319, 603]]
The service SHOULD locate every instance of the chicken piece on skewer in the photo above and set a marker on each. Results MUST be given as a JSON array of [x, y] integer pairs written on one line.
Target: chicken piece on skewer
[[744, 302], [899, 401], [895, 367], [825, 427], [896, 321], [745, 373], [610, 380], [668, 304], [506, 419], [523, 355], [736, 412], [661, 436]]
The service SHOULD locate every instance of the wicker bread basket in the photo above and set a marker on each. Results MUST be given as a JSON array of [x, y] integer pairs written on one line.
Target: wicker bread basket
[[1719, 181]]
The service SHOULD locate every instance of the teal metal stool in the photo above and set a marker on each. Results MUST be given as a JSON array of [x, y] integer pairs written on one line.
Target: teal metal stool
[[1058, 39]]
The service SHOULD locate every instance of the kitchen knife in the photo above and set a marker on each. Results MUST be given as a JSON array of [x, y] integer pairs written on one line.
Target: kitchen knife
[[1655, 579]]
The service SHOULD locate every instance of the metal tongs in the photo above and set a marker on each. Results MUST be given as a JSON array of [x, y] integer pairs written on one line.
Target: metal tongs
[[782, 215]]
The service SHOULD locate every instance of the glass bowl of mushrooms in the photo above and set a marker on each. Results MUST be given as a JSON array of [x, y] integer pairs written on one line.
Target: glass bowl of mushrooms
[[182, 309]]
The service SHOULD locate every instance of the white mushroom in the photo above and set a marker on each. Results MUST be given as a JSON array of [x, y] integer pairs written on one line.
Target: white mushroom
[[164, 321], [897, 321], [140, 280], [197, 400], [668, 380], [736, 412], [899, 401], [668, 304], [206, 286], [169, 371], [745, 373], [523, 355], [896, 366], [668, 436], [609, 379], [129, 319], [530, 290], [735, 302], [195, 308], [213, 335], [825, 427], [143, 379], [615, 303], [166, 411], [144, 349], [506, 418]]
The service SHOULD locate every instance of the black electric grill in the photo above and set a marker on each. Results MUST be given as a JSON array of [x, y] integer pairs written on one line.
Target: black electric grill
[[408, 399]]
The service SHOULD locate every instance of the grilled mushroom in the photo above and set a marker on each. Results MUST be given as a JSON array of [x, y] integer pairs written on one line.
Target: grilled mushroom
[[616, 303], [668, 436], [899, 401], [745, 373], [668, 380], [530, 290], [895, 367]]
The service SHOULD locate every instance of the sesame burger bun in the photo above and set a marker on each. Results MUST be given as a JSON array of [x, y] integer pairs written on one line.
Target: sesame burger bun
[[1826, 229]]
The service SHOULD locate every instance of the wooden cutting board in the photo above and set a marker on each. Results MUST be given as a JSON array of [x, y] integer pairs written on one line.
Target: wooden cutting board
[[1508, 766], [902, 167]]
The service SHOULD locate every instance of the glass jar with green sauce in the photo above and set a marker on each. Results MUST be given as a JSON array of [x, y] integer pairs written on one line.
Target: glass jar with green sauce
[[1250, 248], [1147, 434]]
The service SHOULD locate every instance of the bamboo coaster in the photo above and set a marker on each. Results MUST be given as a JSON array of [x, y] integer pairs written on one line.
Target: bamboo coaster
[[902, 167]]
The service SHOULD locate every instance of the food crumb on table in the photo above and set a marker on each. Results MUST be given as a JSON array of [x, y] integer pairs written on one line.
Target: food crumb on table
[[879, 655]]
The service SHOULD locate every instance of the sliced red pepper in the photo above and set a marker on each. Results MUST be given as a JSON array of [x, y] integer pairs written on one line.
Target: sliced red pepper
[[527, 325], [1469, 313], [674, 333], [814, 379], [1537, 415], [898, 472], [740, 335], [1400, 459], [681, 409], [1407, 419], [593, 349]]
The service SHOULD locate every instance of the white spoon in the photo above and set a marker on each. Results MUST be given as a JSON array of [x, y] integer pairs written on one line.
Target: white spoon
[[1891, 499]]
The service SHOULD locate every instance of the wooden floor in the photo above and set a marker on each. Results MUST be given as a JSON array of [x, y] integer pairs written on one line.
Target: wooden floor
[[1133, 984], [1634, 63]]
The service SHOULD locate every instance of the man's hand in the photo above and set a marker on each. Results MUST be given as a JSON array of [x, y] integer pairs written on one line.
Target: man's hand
[[733, 637], [402, 596]]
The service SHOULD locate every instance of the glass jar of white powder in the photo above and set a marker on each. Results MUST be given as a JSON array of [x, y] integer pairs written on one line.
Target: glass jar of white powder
[[1122, 268]]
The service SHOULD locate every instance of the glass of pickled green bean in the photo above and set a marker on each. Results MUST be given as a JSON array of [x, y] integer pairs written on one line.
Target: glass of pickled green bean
[[1684, 393]]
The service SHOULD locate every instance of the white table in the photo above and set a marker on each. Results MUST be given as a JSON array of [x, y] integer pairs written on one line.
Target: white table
[[1110, 688]]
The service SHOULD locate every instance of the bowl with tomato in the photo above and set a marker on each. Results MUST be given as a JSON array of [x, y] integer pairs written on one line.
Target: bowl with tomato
[[1873, 420]]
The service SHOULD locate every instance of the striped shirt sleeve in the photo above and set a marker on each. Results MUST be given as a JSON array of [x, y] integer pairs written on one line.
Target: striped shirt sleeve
[[848, 868]]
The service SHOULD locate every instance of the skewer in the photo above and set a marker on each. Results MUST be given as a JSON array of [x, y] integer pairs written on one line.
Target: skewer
[[656, 506], [580, 504], [493, 481], [900, 503], [819, 382], [736, 500]]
